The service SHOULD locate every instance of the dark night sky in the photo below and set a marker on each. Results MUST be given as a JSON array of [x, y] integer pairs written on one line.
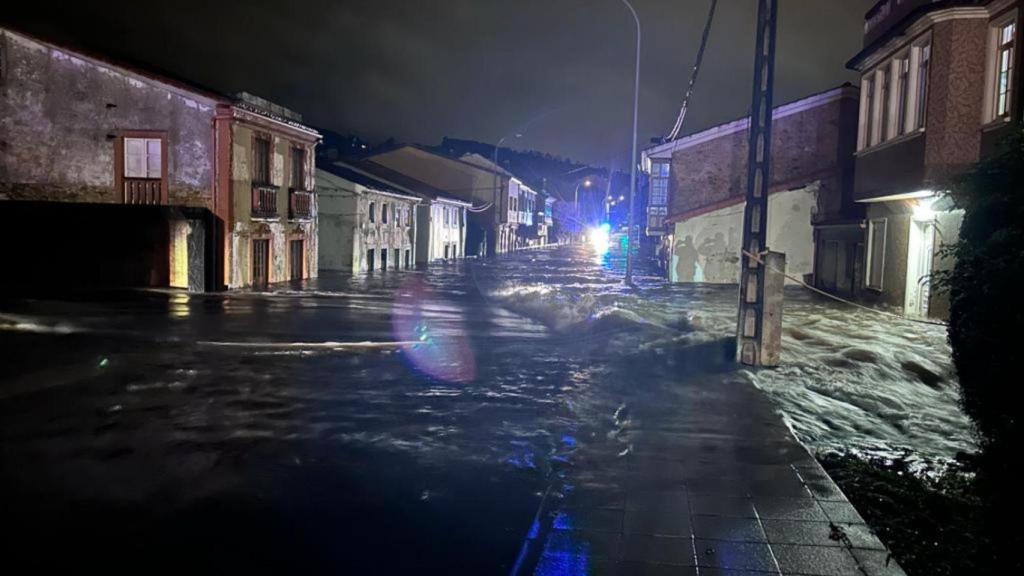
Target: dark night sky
[[557, 71]]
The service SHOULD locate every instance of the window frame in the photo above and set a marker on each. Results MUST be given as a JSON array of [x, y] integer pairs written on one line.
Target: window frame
[[995, 97], [901, 70], [120, 160], [870, 253], [256, 174], [298, 168], [372, 211], [383, 212], [922, 84]]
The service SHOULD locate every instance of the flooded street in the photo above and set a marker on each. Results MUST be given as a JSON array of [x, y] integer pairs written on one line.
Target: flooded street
[[401, 423]]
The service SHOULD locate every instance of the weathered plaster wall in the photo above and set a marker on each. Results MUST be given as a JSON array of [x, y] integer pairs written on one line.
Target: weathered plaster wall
[[379, 236], [59, 110], [707, 247], [280, 229], [432, 233]]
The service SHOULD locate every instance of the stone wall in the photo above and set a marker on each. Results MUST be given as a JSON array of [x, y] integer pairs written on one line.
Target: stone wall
[[59, 116]]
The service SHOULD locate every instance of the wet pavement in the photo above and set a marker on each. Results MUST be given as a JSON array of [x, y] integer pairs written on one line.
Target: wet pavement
[[516, 416]]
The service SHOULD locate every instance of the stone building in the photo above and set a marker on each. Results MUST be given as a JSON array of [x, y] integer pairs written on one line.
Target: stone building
[[503, 204], [704, 176], [267, 182], [365, 225], [441, 220], [133, 179], [939, 90]]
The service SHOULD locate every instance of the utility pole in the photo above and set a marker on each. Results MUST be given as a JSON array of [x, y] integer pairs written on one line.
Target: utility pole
[[760, 307], [632, 158]]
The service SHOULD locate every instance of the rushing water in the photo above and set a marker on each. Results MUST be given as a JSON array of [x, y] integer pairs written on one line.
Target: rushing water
[[404, 422]]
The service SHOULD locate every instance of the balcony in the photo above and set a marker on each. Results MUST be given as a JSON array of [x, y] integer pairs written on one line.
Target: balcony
[[300, 204], [264, 201], [142, 190]]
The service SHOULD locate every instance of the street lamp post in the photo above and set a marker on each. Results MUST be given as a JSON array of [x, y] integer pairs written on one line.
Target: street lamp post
[[632, 159], [576, 203]]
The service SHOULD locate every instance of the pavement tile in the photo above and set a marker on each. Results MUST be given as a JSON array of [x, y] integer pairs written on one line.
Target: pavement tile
[[714, 504], [799, 532], [676, 499], [805, 509], [666, 521], [815, 560], [842, 512], [877, 563], [727, 528], [657, 549], [577, 544], [647, 569], [861, 536], [595, 498], [589, 519], [734, 555]]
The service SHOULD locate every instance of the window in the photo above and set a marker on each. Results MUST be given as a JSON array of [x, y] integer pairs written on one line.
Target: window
[[142, 158], [299, 168], [395, 217], [261, 161], [1004, 68], [902, 82], [373, 211], [922, 85], [883, 103], [869, 111], [876, 253], [446, 217], [660, 170], [384, 213]]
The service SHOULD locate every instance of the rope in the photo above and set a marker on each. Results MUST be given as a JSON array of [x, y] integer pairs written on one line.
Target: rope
[[693, 76], [757, 258]]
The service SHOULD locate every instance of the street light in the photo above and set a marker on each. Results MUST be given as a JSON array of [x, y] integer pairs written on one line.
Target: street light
[[576, 202], [632, 159]]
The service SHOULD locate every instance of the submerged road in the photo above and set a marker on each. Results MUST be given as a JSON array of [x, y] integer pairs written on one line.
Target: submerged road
[[515, 416]]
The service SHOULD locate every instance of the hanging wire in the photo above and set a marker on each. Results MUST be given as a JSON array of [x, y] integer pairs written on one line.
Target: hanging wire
[[693, 75]]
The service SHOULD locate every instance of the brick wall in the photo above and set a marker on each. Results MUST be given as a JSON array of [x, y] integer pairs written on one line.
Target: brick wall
[[807, 146]]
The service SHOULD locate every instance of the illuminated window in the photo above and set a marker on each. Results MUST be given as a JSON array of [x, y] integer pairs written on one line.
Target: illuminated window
[[142, 158], [923, 65], [868, 112], [660, 170], [902, 83], [1004, 68]]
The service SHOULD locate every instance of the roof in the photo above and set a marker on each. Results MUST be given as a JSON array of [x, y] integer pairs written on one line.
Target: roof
[[243, 101], [341, 172], [380, 178], [903, 24], [741, 124]]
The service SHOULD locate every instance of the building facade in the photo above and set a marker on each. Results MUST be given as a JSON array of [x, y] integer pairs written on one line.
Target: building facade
[[704, 177], [503, 205], [939, 91], [140, 180], [365, 226], [441, 220], [267, 186]]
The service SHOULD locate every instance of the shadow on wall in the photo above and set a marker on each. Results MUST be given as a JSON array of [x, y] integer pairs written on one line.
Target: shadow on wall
[[714, 259]]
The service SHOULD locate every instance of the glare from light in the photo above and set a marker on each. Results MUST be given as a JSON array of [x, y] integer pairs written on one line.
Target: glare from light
[[621, 198], [586, 183], [923, 209], [600, 238]]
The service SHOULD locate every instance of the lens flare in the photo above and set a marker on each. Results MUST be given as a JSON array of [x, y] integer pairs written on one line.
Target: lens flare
[[434, 326], [600, 238]]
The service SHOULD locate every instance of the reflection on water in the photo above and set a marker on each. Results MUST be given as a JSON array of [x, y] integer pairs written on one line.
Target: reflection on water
[[422, 412]]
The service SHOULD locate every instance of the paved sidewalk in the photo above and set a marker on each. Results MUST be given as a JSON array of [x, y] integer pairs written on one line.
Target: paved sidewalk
[[700, 478]]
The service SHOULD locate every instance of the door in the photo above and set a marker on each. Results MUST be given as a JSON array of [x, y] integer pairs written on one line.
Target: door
[[296, 253], [919, 267], [260, 263], [370, 260], [384, 259]]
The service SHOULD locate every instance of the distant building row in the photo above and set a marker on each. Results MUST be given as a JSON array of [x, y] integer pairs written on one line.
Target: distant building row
[[857, 174], [113, 176]]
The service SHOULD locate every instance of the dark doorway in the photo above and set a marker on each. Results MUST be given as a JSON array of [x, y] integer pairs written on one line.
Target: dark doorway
[[384, 259], [296, 252], [260, 263], [408, 259], [370, 261]]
